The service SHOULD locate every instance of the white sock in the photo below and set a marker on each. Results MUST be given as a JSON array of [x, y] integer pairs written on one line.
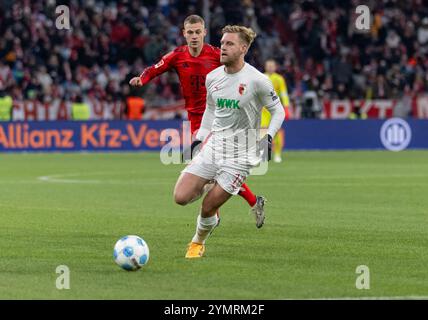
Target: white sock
[[204, 226]]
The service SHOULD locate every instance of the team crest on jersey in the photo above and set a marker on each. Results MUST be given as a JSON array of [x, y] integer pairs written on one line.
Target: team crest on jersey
[[242, 89]]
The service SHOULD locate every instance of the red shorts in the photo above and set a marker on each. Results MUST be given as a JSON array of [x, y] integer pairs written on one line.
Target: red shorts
[[195, 121]]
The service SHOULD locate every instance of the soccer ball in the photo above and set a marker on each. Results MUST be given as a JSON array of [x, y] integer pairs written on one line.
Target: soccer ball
[[131, 253]]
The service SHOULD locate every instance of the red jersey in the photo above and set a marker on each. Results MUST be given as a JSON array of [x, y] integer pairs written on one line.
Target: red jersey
[[191, 72]]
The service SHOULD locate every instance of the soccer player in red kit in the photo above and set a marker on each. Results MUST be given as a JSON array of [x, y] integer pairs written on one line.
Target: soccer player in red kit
[[193, 62]]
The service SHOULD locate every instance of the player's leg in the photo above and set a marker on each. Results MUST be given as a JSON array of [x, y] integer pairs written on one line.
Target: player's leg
[[229, 180], [184, 196], [195, 123], [189, 188], [248, 195], [213, 201], [258, 211], [257, 203], [207, 220], [245, 192], [278, 145]]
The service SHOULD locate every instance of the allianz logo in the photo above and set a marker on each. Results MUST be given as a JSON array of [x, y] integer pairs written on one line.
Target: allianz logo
[[395, 134]]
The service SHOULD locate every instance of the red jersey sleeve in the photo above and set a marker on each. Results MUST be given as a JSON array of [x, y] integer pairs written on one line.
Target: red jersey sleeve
[[165, 64]]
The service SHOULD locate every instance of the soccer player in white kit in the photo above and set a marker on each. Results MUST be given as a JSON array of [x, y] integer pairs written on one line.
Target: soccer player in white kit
[[236, 93]]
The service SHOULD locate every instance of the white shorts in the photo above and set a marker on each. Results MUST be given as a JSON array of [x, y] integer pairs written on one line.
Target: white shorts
[[227, 174]]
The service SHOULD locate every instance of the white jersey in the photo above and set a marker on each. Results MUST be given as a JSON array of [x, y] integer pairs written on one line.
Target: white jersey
[[233, 112]]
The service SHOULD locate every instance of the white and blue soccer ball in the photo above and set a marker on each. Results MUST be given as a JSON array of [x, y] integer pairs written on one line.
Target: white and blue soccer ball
[[131, 253]]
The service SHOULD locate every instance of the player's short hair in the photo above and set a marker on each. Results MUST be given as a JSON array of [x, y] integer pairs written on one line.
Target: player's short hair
[[194, 18], [245, 34], [271, 60]]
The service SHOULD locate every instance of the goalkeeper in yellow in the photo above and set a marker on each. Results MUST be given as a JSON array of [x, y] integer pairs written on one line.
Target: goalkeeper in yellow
[[280, 88]]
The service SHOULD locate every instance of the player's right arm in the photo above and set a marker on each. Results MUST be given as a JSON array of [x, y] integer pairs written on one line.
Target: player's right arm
[[209, 113], [206, 124], [164, 65]]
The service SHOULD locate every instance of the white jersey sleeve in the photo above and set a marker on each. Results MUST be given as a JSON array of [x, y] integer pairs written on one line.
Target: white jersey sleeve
[[270, 100], [208, 117]]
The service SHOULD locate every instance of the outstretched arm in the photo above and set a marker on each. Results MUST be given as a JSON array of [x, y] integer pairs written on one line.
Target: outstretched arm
[[165, 64]]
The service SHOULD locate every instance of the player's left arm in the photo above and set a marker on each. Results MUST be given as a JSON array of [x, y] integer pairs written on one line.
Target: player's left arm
[[270, 100]]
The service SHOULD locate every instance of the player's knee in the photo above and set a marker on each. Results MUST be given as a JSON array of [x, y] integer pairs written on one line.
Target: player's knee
[[180, 198]]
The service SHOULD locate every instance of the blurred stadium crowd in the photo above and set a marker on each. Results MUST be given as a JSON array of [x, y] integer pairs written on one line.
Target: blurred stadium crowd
[[314, 42]]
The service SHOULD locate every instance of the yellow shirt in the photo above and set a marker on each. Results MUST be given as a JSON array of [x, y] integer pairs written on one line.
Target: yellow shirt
[[280, 88], [6, 105], [80, 111]]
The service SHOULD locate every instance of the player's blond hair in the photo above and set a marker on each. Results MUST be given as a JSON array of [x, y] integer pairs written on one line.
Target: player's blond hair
[[245, 34]]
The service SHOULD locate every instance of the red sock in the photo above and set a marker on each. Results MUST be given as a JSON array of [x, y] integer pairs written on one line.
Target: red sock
[[248, 195]]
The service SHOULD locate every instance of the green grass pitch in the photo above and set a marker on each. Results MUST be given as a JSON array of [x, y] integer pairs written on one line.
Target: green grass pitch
[[327, 213]]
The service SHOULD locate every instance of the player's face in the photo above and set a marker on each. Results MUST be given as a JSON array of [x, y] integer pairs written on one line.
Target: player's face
[[194, 34], [270, 66], [232, 47]]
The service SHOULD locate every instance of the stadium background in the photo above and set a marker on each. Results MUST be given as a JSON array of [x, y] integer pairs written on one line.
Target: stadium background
[[316, 45], [365, 207], [332, 69]]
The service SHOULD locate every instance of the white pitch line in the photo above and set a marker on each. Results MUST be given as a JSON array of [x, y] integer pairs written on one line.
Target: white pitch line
[[58, 178], [62, 178]]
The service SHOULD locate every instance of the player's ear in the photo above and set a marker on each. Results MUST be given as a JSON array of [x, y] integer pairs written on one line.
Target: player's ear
[[205, 31]]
